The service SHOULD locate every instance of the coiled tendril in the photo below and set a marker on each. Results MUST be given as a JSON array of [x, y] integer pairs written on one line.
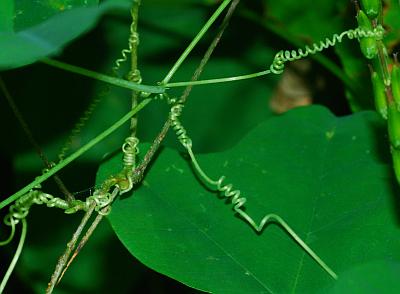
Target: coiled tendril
[[228, 191], [80, 124], [177, 126], [133, 40], [130, 149], [284, 56], [20, 209]]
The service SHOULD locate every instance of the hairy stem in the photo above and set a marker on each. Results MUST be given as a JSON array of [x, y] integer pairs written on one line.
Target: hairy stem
[[104, 211], [82, 243], [62, 261]]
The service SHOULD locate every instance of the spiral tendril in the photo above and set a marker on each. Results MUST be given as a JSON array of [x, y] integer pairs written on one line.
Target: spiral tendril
[[284, 56], [130, 149], [79, 126], [103, 198], [132, 41], [177, 126], [229, 192]]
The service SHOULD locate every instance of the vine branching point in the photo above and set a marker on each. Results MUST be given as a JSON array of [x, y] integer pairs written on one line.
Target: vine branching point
[[194, 42], [75, 155], [122, 182], [104, 78]]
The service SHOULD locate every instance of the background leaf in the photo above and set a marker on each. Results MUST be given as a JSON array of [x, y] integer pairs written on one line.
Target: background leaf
[[48, 37], [30, 13], [324, 175], [7, 16]]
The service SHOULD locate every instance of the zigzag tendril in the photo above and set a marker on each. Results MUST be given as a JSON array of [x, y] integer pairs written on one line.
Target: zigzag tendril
[[228, 191], [284, 56]]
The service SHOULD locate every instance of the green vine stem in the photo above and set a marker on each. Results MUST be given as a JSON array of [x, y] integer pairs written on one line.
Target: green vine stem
[[134, 74], [194, 42], [138, 172], [276, 67], [104, 78], [75, 155], [238, 202], [62, 261], [16, 255], [350, 83], [284, 56], [219, 80], [32, 139]]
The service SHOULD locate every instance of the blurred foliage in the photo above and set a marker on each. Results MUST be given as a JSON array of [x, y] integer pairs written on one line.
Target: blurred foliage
[[39, 31]]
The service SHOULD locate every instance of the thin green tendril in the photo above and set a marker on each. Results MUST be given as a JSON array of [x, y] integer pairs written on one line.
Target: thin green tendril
[[234, 195], [194, 42], [20, 209], [123, 181], [16, 256], [79, 126], [75, 155], [278, 64], [132, 41], [282, 57]]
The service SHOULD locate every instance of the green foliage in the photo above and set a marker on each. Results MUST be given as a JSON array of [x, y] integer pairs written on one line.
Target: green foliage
[[323, 174], [6, 16], [378, 276], [38, 40], [328, 177]]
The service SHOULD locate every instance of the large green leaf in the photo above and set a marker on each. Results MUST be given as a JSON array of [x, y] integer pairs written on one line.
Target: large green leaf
[[47, 38], [324, 175], [378, 276]]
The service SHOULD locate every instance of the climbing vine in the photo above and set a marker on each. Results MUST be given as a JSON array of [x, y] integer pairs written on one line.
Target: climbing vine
[[385, 76]]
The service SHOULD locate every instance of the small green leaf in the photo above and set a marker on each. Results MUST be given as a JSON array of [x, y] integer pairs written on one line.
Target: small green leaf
[[324, 175]]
